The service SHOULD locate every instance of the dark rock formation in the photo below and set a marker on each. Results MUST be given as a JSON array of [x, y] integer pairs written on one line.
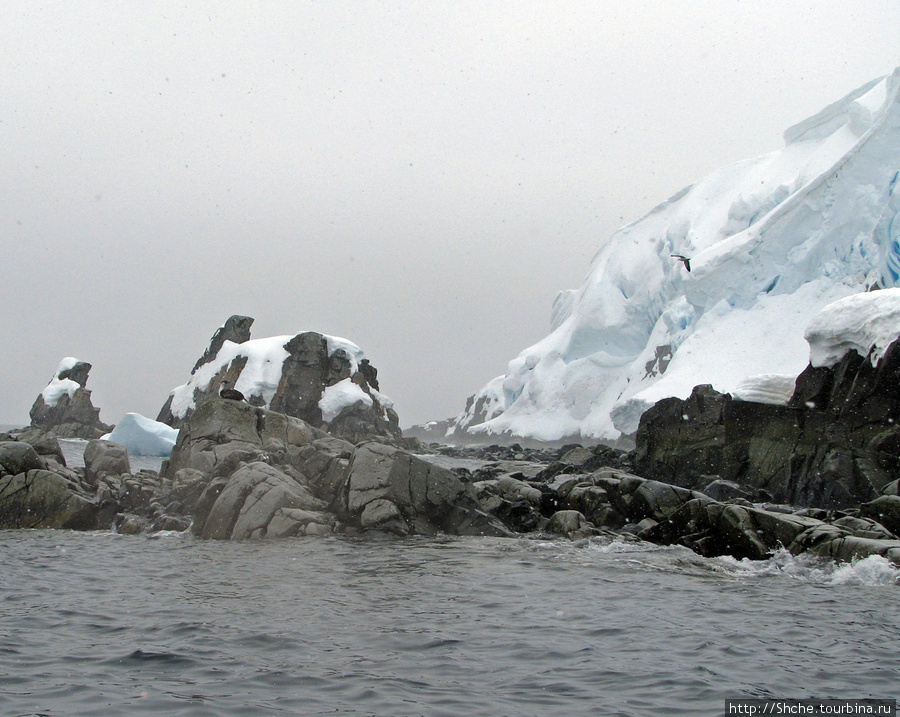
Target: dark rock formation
[[835, 445], [36, 493], [68, 413], [103, 458], [257, 473], [307, 371], [242, 472], [236, 329]]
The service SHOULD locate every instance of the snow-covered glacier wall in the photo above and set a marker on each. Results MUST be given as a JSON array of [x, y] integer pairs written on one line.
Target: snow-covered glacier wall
[[770, 241]]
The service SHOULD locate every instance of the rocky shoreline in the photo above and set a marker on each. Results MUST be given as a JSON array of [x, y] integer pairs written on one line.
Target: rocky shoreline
[[315, 450], [243, 472]]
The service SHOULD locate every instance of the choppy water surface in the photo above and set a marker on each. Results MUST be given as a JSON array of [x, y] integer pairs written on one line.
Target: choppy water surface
[[102, 624]]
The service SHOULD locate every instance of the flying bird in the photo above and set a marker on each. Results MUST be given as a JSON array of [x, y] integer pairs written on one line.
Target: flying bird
[[230, 393], [684, 260]]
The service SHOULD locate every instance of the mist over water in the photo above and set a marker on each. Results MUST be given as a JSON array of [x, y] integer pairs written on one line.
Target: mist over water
[[97, 623]]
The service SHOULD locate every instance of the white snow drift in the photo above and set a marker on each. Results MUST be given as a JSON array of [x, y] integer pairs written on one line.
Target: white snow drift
[[865, 323], [770, 241]]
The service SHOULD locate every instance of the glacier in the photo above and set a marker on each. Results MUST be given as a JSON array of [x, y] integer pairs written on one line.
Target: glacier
[[771, 241]]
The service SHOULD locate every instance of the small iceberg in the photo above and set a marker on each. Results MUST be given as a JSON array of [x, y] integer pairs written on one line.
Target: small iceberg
[[143, 436]]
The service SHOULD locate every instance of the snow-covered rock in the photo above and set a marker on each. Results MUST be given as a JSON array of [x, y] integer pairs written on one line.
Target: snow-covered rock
[[341, 395], [770, 242], [324, 380], [143, 436], [865, 323], [59, 387], [64, 407]]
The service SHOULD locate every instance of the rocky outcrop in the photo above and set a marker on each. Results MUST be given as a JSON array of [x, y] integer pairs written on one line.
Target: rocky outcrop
[[242, 472], [104, 458], [324, 381], [236, 329], [836, 445], [64, 407], [666, 514], [40, 493], [257, 473]]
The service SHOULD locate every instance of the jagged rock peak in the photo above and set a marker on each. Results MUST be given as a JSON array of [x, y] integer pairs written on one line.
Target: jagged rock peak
[[236, 330], [64, 406]]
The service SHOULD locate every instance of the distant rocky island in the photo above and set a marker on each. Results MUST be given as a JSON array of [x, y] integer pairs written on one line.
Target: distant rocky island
[[308, 445]]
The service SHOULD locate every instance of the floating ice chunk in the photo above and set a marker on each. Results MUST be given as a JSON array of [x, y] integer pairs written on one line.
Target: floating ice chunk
[[866, 323], [143, 436]]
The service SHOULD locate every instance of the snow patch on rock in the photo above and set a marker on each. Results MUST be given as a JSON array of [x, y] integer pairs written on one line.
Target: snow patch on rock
[[59, 387], [772, 388], [865, 323], [259, 377], [342, 395]]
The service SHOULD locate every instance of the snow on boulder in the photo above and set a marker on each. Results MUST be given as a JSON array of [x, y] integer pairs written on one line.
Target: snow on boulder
[[341, 395], [143, 436], [311, 376], [770, 241], [58, 386], [866, 323]]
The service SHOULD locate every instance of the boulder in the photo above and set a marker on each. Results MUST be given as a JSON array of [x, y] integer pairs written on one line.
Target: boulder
[[657, 501], [864, 528], [249, 501], [104, 458], [571, 524], [885, 510], [288, 522], [414, 496], [19, 457], [41, 498]]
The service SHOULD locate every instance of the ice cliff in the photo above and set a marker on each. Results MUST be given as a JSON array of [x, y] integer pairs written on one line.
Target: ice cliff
[[770, 241]]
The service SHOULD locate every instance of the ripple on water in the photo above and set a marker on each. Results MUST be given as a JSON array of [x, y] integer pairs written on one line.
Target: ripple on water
[[129, 625]]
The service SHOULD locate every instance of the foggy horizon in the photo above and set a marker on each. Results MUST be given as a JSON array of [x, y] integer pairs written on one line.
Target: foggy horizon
[[419, 180]]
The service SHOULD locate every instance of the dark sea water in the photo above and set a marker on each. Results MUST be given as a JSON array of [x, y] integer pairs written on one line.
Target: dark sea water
[[103, 624]]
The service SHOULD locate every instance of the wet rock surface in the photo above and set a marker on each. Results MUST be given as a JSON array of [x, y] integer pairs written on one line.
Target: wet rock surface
[[243, 472]]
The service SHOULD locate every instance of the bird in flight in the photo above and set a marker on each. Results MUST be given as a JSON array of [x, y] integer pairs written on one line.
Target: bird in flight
[[684, 260]]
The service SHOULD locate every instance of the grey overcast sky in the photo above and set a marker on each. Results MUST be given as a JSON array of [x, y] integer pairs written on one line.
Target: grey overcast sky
[[419, 177]]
